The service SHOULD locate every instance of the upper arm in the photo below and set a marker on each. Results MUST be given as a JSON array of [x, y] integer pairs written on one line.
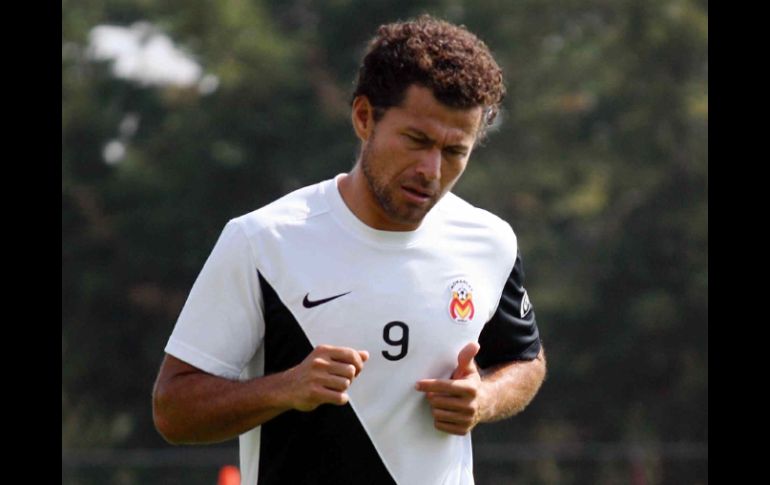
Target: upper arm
[[171, 368]]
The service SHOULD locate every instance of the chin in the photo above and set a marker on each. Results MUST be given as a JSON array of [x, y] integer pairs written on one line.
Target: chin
[[414, 216]]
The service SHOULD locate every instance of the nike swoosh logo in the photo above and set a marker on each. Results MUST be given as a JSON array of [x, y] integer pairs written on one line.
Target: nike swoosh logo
[[307, 303]]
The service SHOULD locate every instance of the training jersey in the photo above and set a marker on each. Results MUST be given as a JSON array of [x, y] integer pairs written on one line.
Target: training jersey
[[305, 271]]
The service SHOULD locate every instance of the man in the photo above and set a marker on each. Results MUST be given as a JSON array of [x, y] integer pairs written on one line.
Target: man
[[357, 330]]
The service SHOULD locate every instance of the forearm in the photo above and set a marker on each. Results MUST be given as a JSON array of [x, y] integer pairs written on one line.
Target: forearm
[[201, 408], [192, 406], [508, 388]]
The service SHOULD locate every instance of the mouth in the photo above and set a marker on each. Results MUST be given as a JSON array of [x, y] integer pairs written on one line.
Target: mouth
[[417, 195]]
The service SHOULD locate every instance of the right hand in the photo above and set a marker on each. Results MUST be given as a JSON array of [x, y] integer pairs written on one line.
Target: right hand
[[324, 376]]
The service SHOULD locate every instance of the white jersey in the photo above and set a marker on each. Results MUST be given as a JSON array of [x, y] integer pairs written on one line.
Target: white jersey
[[304, 271]]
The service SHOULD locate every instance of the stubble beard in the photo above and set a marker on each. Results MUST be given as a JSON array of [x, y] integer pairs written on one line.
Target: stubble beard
[[383, 193]]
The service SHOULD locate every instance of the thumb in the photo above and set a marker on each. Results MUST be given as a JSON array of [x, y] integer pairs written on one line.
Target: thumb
[[465, 364]]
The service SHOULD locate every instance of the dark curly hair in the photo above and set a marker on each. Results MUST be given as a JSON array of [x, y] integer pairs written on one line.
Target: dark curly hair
[[455, 64]]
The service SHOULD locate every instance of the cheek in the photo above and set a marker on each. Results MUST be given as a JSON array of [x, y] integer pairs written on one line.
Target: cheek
[[383, 149], [395, 160], [452, 172]]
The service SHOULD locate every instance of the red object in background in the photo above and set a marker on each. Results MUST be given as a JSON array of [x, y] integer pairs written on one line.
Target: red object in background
[[229, 475]]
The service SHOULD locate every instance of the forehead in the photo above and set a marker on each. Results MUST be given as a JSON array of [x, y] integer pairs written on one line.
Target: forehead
[[422, 111]]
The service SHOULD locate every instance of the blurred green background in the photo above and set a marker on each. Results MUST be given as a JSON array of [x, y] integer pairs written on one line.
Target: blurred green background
[[179, 115]]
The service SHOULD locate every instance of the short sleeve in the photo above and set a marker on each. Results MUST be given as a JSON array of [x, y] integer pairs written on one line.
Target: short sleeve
[[221, 324], [511, 333]]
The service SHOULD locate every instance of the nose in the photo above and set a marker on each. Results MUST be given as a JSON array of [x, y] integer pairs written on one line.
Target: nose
[[429, 166]]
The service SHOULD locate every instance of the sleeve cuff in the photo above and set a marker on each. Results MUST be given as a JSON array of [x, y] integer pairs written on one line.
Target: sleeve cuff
[[203, 361]]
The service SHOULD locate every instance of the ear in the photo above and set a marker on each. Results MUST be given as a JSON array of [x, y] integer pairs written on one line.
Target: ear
[[362, 115]]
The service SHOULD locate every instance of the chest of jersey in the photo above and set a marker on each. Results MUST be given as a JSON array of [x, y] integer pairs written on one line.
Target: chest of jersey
[[412, 308]]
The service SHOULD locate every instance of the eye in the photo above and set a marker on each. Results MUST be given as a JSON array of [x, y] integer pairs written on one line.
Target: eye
[[415, 140], [455, 152]]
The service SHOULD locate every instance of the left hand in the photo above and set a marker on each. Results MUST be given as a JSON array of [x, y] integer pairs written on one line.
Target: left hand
[[456, 402]]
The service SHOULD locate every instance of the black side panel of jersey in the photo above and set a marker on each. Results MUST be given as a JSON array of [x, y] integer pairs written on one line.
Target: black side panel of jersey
[[509, 336], [325, 446]]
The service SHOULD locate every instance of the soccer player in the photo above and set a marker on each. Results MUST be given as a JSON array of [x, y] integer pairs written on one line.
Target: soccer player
[[357, 330]]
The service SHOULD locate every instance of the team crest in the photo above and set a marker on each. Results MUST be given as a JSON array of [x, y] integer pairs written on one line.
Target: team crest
[[461, 306]]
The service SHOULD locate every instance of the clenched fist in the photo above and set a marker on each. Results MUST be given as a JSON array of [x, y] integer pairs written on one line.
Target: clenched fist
[[324, 376]]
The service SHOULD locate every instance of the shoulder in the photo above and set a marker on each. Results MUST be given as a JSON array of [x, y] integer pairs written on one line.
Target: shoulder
[[290, 210], [479, 223]]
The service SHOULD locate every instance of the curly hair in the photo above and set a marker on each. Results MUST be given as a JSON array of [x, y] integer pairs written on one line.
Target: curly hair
[[455, 64]]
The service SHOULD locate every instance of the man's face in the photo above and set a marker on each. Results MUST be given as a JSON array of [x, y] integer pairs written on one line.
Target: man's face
[[414, 155]]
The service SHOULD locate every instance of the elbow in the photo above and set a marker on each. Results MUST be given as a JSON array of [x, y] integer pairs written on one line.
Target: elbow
[[165, 429], [163, 420]]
